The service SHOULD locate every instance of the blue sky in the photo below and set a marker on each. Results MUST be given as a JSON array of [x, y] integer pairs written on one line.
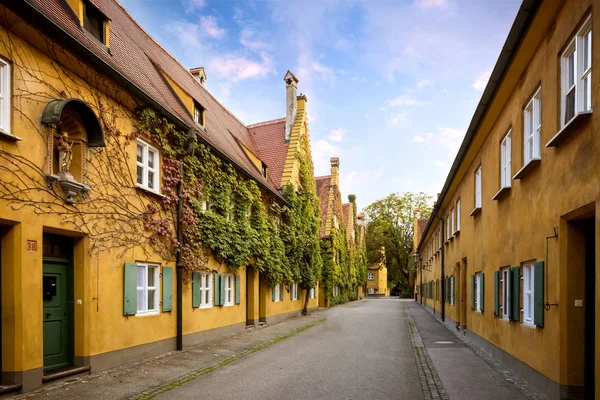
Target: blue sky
[[391, 85]]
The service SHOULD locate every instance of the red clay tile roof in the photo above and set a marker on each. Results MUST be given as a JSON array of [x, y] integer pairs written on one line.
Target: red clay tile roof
[[323, 183], [346, 213], [269, 139], [373, 266], [137, 56], [421, 225]]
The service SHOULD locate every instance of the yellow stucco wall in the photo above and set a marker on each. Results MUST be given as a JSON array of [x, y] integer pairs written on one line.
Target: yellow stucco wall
[[379, 280], [512, 230]]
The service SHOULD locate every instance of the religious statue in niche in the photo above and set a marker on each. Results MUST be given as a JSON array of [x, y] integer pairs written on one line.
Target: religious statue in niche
[[65, 153]]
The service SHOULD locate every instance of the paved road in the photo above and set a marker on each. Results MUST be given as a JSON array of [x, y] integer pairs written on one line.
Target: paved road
[[363, 350]]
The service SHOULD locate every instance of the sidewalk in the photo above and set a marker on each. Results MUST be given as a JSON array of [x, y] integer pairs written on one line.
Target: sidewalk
[[460, 372], [140, 378]]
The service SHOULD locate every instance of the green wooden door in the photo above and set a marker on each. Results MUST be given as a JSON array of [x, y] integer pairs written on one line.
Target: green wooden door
[[55, 317]]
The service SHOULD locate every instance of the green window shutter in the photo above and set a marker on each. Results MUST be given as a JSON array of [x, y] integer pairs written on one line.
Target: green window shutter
[[221, 289], [281, 292], [130, 289], [167, 289], [216, 290], [538, 294], [195, 289], [453, 290], [481, 298], [515, 301], [237, 289], [472, 292], [496, 300]]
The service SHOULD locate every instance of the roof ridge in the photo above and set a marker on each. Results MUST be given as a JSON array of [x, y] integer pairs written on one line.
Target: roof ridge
[[322, 177], [178, 62], [263, 123]]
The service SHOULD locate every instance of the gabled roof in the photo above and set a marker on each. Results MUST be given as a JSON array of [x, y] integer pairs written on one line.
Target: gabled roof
[[421, 225], [136, 59], [375, 266], [346, 213], [269, 140], [323, 183]]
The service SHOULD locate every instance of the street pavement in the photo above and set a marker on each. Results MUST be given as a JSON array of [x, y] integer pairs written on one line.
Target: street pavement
[[363, 350]]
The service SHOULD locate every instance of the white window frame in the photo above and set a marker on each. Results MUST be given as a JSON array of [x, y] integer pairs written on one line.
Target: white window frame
[[505, 291], [146, 310], [451, 290], [582, 79], [228, 293], [505, 160], [5, 96], [478, 190], [458, 215], [448, 232], [452, 221], [146, 148], [206, 290], [198, 114], [295, 294], [276, 290], [312, 293], [532, 128], [528, 294], [478, 291], [371, 276]]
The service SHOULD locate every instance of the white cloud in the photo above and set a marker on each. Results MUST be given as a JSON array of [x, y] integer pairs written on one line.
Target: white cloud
[[248, 40], [398, 118], [236, 68], [310, 118], [186, 32], [424, 83], [405, 101], [447, 138], [353, 181], [482, 80], [336, 135], [193, 5], [366, 115], [325, 73], [425, 138], [210, 26], [430, 3], [322, 151]]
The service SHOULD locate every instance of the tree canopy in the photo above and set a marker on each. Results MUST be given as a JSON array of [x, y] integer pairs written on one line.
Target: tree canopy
[[391, 224]]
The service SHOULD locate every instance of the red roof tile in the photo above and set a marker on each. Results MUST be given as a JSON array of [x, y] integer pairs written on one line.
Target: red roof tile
[[136, 56], [346, 213], [421, 225], [269, 139]]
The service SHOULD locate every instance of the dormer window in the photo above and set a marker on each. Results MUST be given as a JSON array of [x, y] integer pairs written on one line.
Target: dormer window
[[94, 22], [264, 170], [198, 114]]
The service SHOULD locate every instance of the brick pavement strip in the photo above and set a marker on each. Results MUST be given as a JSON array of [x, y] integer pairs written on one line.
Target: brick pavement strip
[[430, 381]]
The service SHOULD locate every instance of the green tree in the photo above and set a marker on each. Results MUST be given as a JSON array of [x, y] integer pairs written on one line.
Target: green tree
[[391, 224]]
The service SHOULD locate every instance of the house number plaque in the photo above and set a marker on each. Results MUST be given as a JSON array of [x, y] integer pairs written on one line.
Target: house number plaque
[[32, 246]]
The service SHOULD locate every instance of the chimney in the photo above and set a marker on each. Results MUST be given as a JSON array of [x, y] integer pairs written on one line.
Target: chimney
[[291, 103], [417, 213], [199, 74], [335, 170]]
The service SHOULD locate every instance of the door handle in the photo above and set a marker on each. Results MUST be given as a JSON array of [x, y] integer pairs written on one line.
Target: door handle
[[48, 315]]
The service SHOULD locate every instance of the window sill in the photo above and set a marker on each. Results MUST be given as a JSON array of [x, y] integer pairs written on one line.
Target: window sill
[[576, 122], [475, 212], [451, 238], [149, 191], [457, 233], [9, 136], [501, 193], [147, 314], [527, 167], [205, 307], [228, 305]]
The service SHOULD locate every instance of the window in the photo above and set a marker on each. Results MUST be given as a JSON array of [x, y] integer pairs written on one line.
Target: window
[[457, 215], [478, 291], [312, 293], [528, 293], [335, 222], [94, 22], [505, 292], [576, 74], [198, 114], [276, 292], [147, 289], [206, 288], [228, 289], [264, 170], [452, 221], [5, 96], [448, 232], [532, 119], [371, 276], [505, 161], [231, 214], [294, 289], [207, 205], [478, 188], [147, 166]]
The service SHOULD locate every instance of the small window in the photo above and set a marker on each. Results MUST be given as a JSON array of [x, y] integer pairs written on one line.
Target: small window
[[457, 215], [147, 289], [206, 288], [505, 161], [532, 118], [452, 221], [147, 166], [371, 276], [276, 296], [94, 22], [505, 292], [335, 222], [451, 294], [528, 289], [264, 170], [294, 291], [576, 74], [5, 96], [198, 114], [448, 231], [478, 188], [312, 293], [478, 291], [228, 289]]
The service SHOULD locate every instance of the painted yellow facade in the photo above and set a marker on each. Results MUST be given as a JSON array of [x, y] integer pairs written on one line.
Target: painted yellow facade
[[546, 212]]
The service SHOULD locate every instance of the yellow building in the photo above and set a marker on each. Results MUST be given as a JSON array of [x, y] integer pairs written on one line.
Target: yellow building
[[99, 125], [377, 284], [510, 253]]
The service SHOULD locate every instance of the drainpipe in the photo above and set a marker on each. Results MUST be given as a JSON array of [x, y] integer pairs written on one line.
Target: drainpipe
[[179, 262], [443, 285], [421, 286]]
